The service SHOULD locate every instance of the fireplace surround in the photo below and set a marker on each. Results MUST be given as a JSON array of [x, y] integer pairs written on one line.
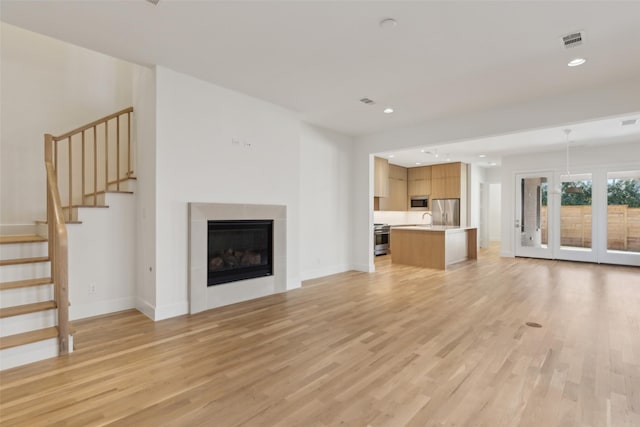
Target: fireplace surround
[[203, 296]]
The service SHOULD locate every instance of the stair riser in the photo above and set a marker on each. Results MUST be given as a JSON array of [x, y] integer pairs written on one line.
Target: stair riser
[[10, 273], [27, 322], [21, 296], [23, 250], [18, 356]]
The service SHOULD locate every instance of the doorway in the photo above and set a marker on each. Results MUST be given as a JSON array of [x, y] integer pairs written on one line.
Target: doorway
[[591, 216]]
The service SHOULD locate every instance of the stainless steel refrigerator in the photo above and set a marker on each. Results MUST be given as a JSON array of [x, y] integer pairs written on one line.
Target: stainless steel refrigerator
[[446, 212]]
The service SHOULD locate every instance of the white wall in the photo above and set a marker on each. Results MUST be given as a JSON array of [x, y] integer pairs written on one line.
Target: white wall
[[583, 159], [144, 105], [214, 145], [584, 105], [109, 265], [476, 176], [48, 86], [325, 202], [495, 212]]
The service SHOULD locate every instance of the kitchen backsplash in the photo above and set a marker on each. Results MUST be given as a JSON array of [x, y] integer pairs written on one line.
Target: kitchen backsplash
[[400, 217]]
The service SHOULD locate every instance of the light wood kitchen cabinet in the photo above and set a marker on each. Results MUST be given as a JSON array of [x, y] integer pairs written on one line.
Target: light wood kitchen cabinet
[[419, 181], [448, 181], [380, 177], [397, 199]]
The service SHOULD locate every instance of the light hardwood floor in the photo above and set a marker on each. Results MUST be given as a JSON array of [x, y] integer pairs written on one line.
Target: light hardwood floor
[[402, 346]]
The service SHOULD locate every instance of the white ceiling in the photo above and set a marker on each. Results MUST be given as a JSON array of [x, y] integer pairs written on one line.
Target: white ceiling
[[319, 58], [599, 132]]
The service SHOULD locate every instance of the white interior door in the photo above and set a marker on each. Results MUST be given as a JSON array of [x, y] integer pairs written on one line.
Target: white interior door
[[534, 208]]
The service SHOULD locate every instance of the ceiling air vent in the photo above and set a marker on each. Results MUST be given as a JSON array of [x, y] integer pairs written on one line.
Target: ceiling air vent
[[573, 39], [154, 1], [367, 101], [629, 122]]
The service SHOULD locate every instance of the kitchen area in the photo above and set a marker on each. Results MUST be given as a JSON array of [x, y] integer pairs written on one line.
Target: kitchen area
[[420, 214]]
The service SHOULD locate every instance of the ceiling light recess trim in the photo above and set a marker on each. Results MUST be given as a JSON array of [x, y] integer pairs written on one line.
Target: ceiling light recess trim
[[388, 23], [576, 62]]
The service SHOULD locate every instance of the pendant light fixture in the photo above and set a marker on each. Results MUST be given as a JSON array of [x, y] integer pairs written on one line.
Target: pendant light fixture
[[571, 189]]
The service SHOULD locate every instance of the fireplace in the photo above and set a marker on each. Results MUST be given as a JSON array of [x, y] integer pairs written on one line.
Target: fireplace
[[239, 250], [202, 295]]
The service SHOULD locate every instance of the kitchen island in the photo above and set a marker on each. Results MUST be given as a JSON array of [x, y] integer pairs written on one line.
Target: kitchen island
[[436, 246]]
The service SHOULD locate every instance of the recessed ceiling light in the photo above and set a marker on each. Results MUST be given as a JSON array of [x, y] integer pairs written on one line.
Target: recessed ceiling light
[[388, 23], [418, 163], [492, 164], [448, 159], [388, 110], [423, 151], [577, 61], [391, 156], [482, 156]]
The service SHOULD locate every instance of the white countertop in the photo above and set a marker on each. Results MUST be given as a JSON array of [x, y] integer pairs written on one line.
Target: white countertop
[[448, 228]]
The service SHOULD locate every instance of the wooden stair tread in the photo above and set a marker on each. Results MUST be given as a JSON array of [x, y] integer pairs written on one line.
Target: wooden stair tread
[[25, 283], [85, 206], [18, 261], [44, 221], [26, 238], [109, 191], [27, 308], [31, 337], [28, 337]]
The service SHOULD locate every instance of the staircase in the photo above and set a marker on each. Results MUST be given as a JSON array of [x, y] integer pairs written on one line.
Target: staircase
[[28, 307], [92, 161]]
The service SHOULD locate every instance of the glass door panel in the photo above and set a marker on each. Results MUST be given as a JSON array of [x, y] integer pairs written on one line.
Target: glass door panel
[[532, 216], [623, 217], [576, 218]]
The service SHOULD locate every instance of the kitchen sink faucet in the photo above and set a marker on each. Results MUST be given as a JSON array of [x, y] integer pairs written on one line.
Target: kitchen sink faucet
[[428, 213]]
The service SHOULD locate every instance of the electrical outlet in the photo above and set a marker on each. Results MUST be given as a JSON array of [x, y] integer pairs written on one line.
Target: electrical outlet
[[92, 288]]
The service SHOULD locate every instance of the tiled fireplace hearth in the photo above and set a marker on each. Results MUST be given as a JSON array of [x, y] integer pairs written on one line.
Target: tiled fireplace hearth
[[203, 296]]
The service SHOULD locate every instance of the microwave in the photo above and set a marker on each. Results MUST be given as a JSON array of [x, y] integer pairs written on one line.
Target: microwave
[[419, 203]]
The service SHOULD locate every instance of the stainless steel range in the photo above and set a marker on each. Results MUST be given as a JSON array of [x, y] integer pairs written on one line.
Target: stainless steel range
[[381, 239]]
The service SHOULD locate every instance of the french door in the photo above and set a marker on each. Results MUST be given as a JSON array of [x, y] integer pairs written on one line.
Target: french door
[[532, 232], [591, 216]]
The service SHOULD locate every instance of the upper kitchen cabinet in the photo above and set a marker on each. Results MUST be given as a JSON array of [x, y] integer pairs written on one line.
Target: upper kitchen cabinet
[[419, 181], [397, 199], [448, 181], [380, 177]]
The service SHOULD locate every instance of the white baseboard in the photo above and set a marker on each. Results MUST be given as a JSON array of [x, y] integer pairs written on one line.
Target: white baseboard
[[102, 307], [325, 271], [172, 310], [293, 283], [364, 268], [145, 308]]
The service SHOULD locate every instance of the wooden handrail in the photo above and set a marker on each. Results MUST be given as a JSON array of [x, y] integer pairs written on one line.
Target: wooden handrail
[[57, 230], [92, 124], [58, 247]]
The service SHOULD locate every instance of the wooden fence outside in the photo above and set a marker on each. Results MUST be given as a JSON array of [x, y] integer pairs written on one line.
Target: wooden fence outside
[[623, 227]]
